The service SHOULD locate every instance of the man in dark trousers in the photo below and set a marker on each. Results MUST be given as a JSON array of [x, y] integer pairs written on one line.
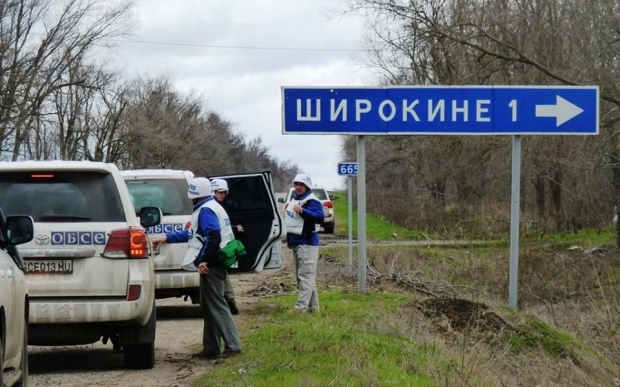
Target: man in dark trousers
[[209, 232], [220, 190], [302, 217]]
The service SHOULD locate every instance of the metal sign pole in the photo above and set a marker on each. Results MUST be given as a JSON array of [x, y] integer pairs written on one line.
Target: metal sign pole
[[361, 214], [349, 169], [350, 199], [514, 222]]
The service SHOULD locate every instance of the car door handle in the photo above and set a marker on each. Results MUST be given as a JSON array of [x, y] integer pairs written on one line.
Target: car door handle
[[1, 273], [10, 273]]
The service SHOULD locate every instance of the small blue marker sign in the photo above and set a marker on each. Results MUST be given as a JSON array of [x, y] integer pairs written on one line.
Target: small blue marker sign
[[347, 169]]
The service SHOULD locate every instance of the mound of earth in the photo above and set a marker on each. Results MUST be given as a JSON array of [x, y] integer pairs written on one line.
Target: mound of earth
[[458, 315]]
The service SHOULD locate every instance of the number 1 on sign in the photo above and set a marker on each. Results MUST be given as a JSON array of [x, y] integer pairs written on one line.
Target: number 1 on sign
[[513, 106]]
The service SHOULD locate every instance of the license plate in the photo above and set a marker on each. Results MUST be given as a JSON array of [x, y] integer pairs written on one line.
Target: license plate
[[64, 266]]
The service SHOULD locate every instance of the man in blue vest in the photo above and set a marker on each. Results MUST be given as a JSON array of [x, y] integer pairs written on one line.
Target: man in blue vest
[[302, 217], [209, 232]]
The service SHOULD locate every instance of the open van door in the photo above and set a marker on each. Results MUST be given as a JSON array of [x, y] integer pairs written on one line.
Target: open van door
[[251, 203]]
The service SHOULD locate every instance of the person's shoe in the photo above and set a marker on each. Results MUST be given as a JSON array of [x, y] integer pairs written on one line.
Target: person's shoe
[[231, 353], [295, 311], [206, 355], [232, 305]]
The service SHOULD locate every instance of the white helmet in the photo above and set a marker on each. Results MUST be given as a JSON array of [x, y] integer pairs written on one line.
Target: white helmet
[[200, 187], [219, 185], [303, 179]]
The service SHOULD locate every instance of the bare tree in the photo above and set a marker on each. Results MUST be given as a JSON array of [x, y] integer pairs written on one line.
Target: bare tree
[[40, 42], [570, 42]]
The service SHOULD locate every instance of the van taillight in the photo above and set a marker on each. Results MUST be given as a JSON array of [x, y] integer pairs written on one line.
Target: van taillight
[[127, 243], [328, 205]]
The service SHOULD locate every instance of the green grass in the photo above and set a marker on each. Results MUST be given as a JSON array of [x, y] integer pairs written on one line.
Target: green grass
[[356, 340], [537, 334], [376, 228], [382, 230], [584, 238]]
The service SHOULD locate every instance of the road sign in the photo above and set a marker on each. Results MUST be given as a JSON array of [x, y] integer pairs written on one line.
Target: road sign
[[347, 169], [445, 110]]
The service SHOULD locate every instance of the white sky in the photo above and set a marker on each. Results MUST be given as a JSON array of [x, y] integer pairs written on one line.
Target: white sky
[[243, 85]]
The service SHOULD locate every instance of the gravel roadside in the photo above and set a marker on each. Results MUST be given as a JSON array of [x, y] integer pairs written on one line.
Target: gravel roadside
[[179, 334]]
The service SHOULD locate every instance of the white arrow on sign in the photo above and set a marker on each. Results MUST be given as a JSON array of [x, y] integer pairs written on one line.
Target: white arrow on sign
[[562, 110]]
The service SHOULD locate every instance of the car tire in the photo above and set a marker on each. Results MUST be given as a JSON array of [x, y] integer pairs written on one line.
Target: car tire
[[139, 356], [142, 355], [194, 296], [329, 229], [23, 366]]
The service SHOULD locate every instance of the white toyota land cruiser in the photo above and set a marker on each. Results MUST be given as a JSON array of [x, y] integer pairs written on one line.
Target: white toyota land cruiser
[[89, 269], [14, 230], [255, 208]]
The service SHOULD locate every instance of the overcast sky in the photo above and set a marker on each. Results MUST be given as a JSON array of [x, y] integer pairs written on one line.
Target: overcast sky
[[241, 79]]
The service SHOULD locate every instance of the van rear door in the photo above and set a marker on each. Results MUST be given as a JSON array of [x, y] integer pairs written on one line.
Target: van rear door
[[251, 203]]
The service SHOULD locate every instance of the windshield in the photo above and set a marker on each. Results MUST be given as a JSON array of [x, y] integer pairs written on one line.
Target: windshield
[[61, 197], [170, 195]]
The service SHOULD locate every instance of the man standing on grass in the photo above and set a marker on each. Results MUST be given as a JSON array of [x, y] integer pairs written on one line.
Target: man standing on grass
[[302, 216]]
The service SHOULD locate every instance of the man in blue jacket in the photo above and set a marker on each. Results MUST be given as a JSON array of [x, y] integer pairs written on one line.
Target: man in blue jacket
[[209, 232], [302, 218]]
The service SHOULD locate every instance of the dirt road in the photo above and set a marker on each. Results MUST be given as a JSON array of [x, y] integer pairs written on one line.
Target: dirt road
[[179, 334]]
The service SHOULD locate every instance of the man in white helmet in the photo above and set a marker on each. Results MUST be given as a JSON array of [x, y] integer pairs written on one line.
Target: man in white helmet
[[302, 214], [209, 232], [220, 191]]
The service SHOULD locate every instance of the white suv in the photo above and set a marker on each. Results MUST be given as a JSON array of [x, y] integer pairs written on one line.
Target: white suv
[[14, 230], [254, 209], [89, 269], [327, 201]]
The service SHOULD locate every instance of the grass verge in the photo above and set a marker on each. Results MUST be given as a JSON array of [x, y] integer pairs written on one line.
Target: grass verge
[[356, 340]]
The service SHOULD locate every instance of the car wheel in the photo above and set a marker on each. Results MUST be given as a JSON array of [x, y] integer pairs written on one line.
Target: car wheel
[[329, 229], [194, 296], [23, 366], [142, 356], [139, 356]]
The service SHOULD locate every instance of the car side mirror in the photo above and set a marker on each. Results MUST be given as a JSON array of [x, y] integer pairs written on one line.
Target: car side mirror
[[19, 229], [281, 200], [150, 216], [332, 198]]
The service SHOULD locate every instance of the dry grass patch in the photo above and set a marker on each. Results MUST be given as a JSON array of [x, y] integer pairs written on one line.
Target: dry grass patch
[[567, 330]]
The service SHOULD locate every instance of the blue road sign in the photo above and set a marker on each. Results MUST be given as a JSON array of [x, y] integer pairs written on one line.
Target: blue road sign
[[347, 169], [455, 110]]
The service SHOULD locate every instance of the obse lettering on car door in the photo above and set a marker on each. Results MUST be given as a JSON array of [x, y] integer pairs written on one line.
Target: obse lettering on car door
[[78, 238], [164, 228]]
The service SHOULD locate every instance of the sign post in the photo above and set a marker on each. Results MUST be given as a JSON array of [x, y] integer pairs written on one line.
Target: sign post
[[442, 110], [349, 170]]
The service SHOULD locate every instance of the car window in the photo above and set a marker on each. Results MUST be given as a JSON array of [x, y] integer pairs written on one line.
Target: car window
[[58, 197], [320, 194], [247, 193], [170, 195]]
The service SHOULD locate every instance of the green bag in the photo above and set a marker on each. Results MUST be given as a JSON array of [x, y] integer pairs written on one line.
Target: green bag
[[231, 253]]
